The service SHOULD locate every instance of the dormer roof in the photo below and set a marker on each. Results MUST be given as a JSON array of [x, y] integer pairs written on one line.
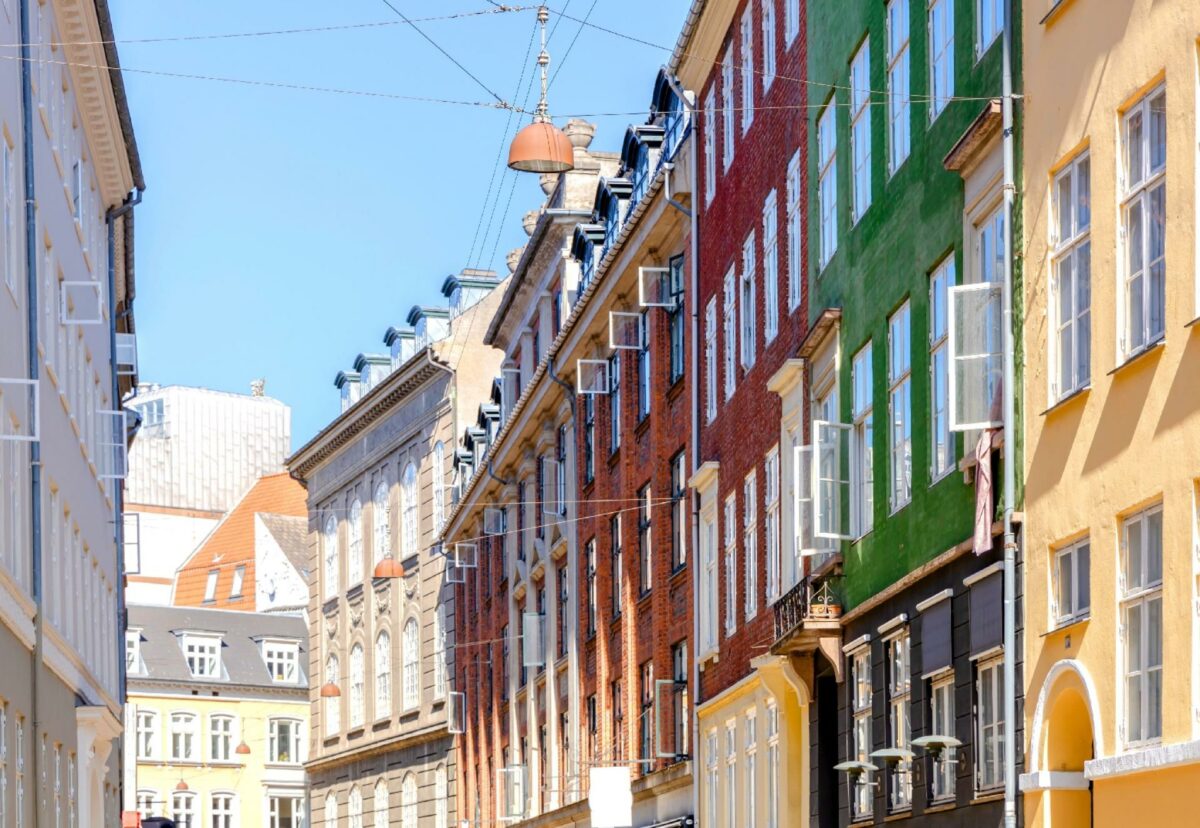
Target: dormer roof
[[392, 334], [417, 312], [649, 134], [344, 378], [470, 277], [585, 233], [363, 360]]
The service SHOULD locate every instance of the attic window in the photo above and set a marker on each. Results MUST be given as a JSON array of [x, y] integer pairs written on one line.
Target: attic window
[[239, 575], [282, 659], [203, 655], [133, 652], [210, 586]]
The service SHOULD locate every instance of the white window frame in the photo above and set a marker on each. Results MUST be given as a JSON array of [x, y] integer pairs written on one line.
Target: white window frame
[[1070, 239], [827, 180], [354, 544], [283, 661], [897, 648], [748, 301], [730, 332], [899, 77], [731, 772], [861, 691], [860, 131], [1141, 585], [750, 544], [1138, 193], [773, 764], [750, 739], [383, 675], [711, 393], [770, 235], [202, 654], [712, 774], [1070, 568], [941, 56], [941, 702], [771, 524], [795, 222], [989, 678], [294, 739], [768, 36], [728, 105], [989, 23], [410, 644], [791, 20], [358, 691], [149, 740], [220, 737], [332, 709], [710, 145], [709, 597], [410, 514], [730, 537], [332, 564], [900, 408], [381, 517], [940, 282], [748, 84], [185, 725], [862, 453], [184, 810], [210, 585]]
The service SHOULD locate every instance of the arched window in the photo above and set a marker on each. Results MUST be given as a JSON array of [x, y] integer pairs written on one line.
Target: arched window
[[357, 680], [439, 652], [379, 804], [331, 815], [408, 802], [183, 810], [354, 563], [333, 706], [354, 808], [382, 539], [408, 491], [383, 675], [441, 793], [412, 664], [439, 485], [331, 558]]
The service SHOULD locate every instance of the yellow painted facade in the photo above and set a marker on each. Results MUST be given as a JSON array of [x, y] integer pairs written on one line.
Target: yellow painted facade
[[1112, 449], [266, 787]]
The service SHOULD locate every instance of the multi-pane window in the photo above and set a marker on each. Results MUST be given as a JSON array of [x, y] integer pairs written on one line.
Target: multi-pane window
[[900, 406], [1143, 220], [357, 686], [899, 729], [331, 558], [589, 438], [941, 445], [770, 230], [645, 392], [751, 742], [795, 230], [680, 706], [989, 22], [282, 662], [333, 704], [645, 561], [989, 738], [772, 765], [675, 320], [354, 550], [729, 105], [381, 518], [183, 809], [564, 603], [439, 652], [942, 724], [827, 181], [286, 812], [220, 738], [239, 578], [283, 741], [411, 664], [731, 773], [768, 39], [646, 717], [862, 478], [730, 332], [439, 496], [747, 67], [614, 532], [1071, 286], [1142, 625], [712, 783], [730, 564], [210, 586], [679, 516], [408, 802], [710, 360], [710, 145], [203, 656], [354, 807], [618, 718], [709, 614], [591, 586], [898, 80], [1071, 581], [860, 130], [409, 516], [383, 675], [184, 737], [750, 542], [941, 55], [771, 525], [791, 20], [147, 735], [860, 728], [749, 302]]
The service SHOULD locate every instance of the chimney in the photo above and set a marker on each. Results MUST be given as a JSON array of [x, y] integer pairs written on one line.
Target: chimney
[[257, 387]]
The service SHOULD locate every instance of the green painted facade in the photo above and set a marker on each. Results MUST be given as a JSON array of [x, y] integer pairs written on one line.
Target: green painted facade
[[914, 221]]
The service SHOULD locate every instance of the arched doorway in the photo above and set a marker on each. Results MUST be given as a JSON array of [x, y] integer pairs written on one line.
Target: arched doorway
[[1063, 741]]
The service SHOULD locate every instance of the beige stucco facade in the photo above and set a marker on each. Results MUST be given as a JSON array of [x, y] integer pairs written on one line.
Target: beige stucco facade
[[1107, 446]]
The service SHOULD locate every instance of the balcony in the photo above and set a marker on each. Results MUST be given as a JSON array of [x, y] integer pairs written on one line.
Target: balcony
[[807, 613]]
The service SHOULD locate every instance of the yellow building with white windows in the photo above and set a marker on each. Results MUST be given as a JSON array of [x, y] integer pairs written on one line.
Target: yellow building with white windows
[[1112, 412], [217, 717]]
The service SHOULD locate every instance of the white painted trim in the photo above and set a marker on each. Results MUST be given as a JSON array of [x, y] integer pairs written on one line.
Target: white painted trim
[[1147, 759], [976, 577], [935, 599], [857, 643], [1039, 713], [892, 623], [1053, 781]]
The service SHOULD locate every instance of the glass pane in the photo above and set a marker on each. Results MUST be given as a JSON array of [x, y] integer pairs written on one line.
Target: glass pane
[[1083, 194], [1133, 555], [1158, 132], [1063, 207], [1157, 298], [1153, 705], [1133, 708], [1063, 582], [1133, 149], [1133, 639], [1153, 548], [1083, 574], [1154, 632]]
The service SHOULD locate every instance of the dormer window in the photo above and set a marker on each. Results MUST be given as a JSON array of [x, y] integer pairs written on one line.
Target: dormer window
[[133, 653], [612, 222], [347, 384], [283, 661], [203, 655]]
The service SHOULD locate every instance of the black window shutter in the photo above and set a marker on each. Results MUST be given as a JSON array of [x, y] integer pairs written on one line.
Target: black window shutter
[[936, 652], [987, 614]]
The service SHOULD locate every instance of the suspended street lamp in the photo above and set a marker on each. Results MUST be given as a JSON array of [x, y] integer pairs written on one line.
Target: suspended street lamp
[[389, 567], [541, 147]]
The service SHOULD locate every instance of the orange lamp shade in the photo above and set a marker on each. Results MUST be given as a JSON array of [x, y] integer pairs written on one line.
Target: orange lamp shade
[[182, 786], [541, 147], [242, 750], [389, 568], [329, 690]]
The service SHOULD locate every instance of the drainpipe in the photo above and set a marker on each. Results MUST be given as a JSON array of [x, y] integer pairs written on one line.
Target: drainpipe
[[110, 219], [694, 433], [35, 448], [1010, 449]]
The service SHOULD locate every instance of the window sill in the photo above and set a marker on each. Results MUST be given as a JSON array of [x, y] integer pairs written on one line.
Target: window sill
[[899, 814], [674, 388], [941, 806], [1153, 348], [984, 797], [643, 597], [642, 426], [1055, 11], [354, 593], [1067, 624], [1062, 402], [677, 571], [330, 606], [357, 730], [1195, 323]]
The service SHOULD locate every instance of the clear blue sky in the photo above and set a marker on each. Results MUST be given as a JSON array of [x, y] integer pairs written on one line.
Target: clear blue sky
[[283, 231]]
